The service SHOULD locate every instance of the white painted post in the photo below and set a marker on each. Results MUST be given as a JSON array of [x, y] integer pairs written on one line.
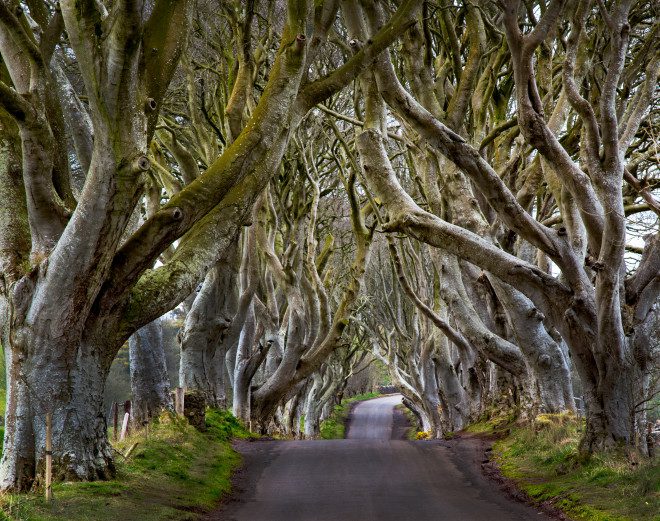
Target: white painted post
[[124, 425], [49, 456]]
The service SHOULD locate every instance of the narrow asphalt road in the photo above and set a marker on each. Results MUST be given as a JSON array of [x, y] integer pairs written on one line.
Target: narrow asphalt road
[[373, 419], [367, 477]]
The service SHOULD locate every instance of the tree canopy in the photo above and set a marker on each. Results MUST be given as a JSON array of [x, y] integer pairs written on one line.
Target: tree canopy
[[464, 192]]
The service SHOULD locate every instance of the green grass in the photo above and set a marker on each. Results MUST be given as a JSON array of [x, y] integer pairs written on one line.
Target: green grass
[[496, 422], [334, 427], [174, 473], [543, 460]]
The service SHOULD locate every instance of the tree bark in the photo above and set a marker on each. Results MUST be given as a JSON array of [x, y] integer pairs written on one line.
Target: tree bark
[[150, 383], [312, 407], [42, 382], [242, 375], [544, 355], [203, 339], [454, 398]]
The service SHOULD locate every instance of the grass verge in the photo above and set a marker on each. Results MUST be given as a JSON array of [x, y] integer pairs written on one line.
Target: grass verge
[[174, 473], [543, 460], [414, 431], [334, 427]]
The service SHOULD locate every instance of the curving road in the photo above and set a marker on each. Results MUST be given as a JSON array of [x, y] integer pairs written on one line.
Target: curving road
[[367, 477], [373, 419]]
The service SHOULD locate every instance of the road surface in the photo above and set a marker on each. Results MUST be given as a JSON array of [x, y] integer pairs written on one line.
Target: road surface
[[373, 419], [367, 477]]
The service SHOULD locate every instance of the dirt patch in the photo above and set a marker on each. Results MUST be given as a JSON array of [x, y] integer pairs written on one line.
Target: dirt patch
[[478, 449]]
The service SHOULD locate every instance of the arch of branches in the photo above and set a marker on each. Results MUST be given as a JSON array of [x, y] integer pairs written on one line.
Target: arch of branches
[[460, 194]]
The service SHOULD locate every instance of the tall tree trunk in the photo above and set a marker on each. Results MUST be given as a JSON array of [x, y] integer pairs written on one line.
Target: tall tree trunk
[[544, 355], [452, 395], [430, 393], [473, 376], [613, 416], [242, 374], [43, 379], [14, 231], [312, 407], [150, 383], [203, 338]]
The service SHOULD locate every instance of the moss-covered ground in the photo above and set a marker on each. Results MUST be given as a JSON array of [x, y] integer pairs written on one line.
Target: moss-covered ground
[[542, 458], [334, 427], [173, 473]]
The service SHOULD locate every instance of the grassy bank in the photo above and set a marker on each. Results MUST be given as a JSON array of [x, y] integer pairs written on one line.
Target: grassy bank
[[174, 473], [543, 460], [414, 432], [334, 427]]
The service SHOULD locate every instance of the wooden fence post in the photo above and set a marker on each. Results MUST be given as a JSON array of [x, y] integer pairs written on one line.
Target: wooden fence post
[[49, 456], [115, 420], [650, 440], [179, 397]]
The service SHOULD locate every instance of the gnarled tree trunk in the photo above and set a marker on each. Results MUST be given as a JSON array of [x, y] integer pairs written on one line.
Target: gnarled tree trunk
[[206, 334], [42, 380], [150, 383]]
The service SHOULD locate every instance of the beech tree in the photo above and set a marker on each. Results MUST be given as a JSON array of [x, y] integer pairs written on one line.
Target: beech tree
[[293, 306], [74, 287], [150, 383], [607, 320], [151, 156]]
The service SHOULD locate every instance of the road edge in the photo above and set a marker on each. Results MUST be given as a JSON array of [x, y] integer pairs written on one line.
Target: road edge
[[491, 470]]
